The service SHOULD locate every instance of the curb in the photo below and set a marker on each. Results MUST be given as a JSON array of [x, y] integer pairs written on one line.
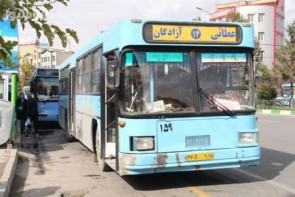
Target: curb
[[275, 112], [9, 170]]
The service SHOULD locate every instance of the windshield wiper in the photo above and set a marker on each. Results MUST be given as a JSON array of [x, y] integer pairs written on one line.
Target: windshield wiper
[[216, 103]]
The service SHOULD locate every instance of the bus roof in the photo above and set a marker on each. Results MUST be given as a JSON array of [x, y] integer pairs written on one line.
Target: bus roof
[[132, 33]]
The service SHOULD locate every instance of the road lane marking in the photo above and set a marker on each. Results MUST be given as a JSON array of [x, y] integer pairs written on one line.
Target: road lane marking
[[198, 192], [260, 178]]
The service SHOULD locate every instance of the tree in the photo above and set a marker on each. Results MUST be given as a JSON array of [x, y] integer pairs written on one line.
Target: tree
[[285, 68], [26, 12], [265, 83], [26, 72], [235, 17], [198, 18]]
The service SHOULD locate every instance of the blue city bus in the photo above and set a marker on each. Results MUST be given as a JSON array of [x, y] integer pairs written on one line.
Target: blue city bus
[[287, 90], [156, 96], [44, 85]]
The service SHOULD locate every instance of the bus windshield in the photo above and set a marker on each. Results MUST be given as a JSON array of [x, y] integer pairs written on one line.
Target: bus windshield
[[225, 80], [47, 88], [163, 82]]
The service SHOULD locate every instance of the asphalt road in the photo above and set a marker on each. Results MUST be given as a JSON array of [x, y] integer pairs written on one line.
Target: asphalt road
[[49, 166]]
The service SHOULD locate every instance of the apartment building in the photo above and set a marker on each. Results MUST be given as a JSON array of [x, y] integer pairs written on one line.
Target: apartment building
[[40, 54], [52, 58], [268, 17]]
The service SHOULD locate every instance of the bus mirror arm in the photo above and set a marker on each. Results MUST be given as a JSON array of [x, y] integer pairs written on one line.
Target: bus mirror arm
[[113, 74]]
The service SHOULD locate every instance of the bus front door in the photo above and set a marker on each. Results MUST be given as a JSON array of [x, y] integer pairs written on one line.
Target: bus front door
[[110, 116], [71, 113]]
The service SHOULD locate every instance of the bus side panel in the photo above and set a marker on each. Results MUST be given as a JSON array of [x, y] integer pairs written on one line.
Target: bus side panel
[[87, 110], [63, 110]]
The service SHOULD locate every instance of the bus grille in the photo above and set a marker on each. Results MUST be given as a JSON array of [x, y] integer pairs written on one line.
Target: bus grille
[[197, 141]]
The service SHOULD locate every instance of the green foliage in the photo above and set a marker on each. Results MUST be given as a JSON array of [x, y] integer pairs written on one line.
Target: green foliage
[[235, 17], [198, 18], [5, 48], [25, 74], [265, 83], [265, 75], [27, 12], [256, 52], [266, 92], [285, 68]]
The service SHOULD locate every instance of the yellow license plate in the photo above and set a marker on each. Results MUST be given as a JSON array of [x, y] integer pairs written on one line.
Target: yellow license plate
[[200, 156]]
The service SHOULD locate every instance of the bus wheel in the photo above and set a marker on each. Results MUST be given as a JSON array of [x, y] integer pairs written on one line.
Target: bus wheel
[[103, 166]]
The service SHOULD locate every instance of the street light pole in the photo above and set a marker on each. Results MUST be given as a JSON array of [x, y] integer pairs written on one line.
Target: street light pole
[[201, 9]]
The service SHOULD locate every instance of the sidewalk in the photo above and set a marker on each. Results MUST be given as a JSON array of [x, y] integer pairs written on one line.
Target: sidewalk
[[275, 112], [8, 163]]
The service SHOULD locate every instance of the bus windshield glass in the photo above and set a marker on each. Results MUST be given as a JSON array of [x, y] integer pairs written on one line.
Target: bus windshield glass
[[47, 88], [158, 82], [164, 82], [225, 81]]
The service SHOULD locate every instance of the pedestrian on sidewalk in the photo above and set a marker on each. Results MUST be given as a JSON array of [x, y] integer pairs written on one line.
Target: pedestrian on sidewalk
[[33, 113], [21, 112]]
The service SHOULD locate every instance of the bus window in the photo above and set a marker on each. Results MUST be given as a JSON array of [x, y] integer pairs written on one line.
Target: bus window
[[1, 88], [47, 89], [224, 79], [158, 82], [95, 76], [79, 76]]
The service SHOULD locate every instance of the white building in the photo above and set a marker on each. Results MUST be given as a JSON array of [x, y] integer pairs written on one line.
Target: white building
[[268, 17], [41, 55], [52, 58]]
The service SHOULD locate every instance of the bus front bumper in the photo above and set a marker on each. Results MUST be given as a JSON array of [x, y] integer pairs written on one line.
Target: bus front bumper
[[131, 164]]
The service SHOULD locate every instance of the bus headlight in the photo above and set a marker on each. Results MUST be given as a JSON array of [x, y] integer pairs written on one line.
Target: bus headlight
[[248, 137], [143, 143]]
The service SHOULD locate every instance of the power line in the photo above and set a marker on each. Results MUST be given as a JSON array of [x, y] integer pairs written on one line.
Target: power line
[[272, 44]]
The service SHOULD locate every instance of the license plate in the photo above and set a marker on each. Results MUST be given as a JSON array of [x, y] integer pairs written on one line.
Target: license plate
[[200, 156]]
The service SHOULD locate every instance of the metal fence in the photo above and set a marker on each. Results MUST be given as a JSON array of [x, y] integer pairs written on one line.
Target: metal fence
[[287, 104]]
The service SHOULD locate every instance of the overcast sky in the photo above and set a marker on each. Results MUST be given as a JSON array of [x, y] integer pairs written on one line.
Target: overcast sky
[[89, 17]]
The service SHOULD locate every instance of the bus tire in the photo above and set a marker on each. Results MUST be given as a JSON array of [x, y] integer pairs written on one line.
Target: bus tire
[[102, 165]]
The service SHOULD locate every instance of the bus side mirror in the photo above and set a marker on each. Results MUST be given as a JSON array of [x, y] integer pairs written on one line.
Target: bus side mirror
[[113, 74]]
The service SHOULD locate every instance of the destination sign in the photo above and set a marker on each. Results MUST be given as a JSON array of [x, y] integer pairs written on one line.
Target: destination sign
[[48, 72], [188, 33]]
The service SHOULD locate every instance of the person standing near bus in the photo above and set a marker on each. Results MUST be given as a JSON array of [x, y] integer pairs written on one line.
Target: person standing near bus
[[21, 112], [33, 113]]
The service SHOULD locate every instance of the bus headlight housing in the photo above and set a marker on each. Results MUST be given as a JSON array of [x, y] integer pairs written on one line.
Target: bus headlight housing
[[249, 137], [143, 143]]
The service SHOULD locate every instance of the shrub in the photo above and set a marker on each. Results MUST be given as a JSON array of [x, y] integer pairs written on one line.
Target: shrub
[[266, 92]]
